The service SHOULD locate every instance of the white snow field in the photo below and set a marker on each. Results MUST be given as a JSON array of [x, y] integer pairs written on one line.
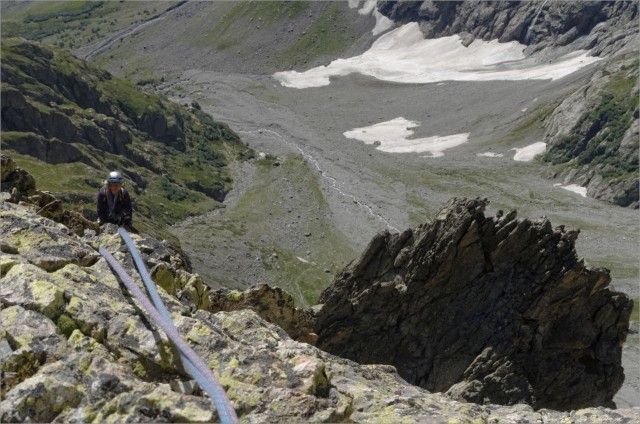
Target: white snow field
[[582, 191], [403, 56], [526, 154], [393, 137]]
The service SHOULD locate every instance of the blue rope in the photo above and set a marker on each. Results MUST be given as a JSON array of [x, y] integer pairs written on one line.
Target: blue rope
[[194, 365], [157, 301]]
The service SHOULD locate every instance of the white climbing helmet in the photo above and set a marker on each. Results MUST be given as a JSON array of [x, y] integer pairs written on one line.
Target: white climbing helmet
[[114, 177]]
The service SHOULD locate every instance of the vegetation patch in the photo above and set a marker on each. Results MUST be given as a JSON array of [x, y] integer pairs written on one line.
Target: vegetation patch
[[286, 228], [230, 30], [72, 24], [174, 158], [326, 36], [596, 137]]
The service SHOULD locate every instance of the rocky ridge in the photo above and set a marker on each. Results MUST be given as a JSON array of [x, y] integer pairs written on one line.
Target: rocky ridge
[[488, 309], [75, 347]]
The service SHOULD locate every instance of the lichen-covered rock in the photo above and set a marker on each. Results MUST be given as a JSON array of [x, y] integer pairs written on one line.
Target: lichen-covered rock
[[75, 347], [272, 304], [494, 310], [22, 188]]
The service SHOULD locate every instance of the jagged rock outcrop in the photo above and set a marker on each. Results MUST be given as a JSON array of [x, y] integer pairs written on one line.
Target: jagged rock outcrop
[[489, 309], [75, 347], [586, 24]]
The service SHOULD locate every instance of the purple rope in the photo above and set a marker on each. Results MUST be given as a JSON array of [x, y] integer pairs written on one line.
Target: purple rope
[[225, 410]]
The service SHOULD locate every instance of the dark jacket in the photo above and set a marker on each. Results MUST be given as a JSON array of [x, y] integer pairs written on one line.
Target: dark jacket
[[122, 211]]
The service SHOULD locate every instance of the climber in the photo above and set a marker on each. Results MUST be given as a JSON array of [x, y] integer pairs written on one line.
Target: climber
[[114, 203]]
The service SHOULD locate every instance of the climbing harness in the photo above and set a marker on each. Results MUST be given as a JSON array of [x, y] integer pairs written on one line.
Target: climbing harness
[[194, 365]]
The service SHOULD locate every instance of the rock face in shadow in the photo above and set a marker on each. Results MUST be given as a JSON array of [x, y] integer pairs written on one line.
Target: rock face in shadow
[[489, 309]]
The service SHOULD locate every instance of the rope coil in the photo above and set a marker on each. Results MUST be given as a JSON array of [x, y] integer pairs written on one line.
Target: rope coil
[[193, 364]]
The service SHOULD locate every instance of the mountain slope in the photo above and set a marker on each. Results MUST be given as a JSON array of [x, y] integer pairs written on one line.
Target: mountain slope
[[82, 122], [598, 146], [593, 135], [227, 36], [369, 185]]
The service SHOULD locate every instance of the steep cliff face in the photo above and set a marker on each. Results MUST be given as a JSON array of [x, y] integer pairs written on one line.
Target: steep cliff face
[[539, 24], [592, 136], [491, 310]]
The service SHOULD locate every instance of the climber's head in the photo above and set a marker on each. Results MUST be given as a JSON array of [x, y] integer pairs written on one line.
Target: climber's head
[[114, 181]]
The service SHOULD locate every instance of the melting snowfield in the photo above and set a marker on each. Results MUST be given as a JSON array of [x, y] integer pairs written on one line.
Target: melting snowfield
[[526, 154], [582, 191], [404, 56], [393, 137]]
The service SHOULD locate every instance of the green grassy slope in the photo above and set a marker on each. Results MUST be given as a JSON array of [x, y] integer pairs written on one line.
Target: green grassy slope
[[71, 24], [286, 229], [69, 123]]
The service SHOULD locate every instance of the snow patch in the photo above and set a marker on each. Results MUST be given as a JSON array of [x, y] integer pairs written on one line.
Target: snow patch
[[393, 137], [526, 154], [404, 56], [490, 154], [382, 23], [582, 191]]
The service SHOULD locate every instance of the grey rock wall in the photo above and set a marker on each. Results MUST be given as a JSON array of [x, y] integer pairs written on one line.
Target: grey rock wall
[[534, 23]]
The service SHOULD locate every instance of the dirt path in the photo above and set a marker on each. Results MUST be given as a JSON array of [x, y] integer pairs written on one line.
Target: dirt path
[[90, 50]]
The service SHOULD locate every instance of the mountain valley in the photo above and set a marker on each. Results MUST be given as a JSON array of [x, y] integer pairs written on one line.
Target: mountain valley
[[307, 199]]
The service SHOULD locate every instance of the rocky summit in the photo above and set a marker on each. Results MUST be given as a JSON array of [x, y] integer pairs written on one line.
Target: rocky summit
[[76, 347], [488, 309]]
